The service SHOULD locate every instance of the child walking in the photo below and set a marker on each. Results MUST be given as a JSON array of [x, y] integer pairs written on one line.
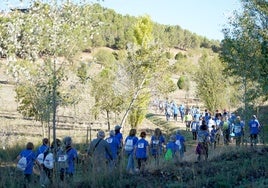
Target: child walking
[[141, 151]]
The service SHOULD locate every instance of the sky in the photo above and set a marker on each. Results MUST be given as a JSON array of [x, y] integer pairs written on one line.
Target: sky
[[203, 17]]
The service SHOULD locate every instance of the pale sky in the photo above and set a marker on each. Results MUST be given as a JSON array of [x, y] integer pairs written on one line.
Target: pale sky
[[203, 17]]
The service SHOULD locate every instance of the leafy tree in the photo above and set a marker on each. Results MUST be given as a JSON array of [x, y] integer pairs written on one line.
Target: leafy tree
[[210, 83], [38, 39], [143, 62], [107, 98], [244, 50]]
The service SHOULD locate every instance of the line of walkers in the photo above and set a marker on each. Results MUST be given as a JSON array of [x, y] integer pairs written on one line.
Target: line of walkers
[[210, 130], [110, 151], [42, 162]]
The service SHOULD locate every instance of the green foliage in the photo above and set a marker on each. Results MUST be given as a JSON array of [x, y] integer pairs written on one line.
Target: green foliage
[[169, 55], [82, 72], [139, 110], [244, 50], [211, 84], [143, 31], [165, 86], [105, 58], [179, 56], [183, 83]]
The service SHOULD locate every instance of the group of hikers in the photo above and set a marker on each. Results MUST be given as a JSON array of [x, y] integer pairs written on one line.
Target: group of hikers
[[108, 152], [103, 153], [42, 161]]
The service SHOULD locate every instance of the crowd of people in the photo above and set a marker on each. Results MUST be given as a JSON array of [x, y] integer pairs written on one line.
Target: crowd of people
[[42, 160], [108, 152]]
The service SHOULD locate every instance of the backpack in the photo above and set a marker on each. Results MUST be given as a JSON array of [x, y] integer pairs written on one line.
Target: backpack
[[40, 158], [178, 143], [49, 161], [168, 155], [129, 146], [22, 164]]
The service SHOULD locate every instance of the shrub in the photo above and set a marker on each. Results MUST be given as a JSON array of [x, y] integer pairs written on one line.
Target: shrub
[[183, 83], [179, 55]]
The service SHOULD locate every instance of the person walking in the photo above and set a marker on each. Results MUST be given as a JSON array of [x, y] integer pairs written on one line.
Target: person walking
[[194, 128], [141, 151], [203, 141], [115, 146], [100, 152], [30, 156], [254, 127], [180, 142], [41, 154], [130, 142], [156, 144], [171, 149], [69, 158], [238, 130]]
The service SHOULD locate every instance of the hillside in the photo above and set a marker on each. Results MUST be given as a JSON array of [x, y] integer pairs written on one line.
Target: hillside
[[220, 170]]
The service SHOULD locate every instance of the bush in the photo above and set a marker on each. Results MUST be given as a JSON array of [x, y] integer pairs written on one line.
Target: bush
[[169, 55], [179, 55], [183, 83]]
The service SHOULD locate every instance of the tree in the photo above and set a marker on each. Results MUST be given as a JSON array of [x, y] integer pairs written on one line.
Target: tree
[[244, 50], [106, 96], [144, 61], [48, 35], [210, 82]]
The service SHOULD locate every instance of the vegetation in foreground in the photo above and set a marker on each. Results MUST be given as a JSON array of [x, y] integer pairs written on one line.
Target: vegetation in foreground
[[237, 167]]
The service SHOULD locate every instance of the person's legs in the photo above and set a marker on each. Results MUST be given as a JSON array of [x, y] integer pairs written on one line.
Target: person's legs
[[238, 140], [130, 163]]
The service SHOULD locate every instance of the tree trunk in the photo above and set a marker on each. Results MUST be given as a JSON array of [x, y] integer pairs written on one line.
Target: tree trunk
[[135, 96], [108, 120]]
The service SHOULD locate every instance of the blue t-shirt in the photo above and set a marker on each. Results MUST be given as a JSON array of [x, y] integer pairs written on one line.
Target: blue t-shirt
[[114, 144], [141, 148], [254, 126], [181, 138], [172, 145], [238, 129], [212, 135], [202, 136], [30, 157], [119, 136], [175, 109], [179, 141], [71, 156], [134, 141], [157, 144], [41, 149], [181, 108], [195, 126], [197, 116]]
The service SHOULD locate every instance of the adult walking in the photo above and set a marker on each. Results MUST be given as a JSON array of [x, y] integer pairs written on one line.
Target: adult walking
[[238, 130], [254, 127], [203, 141], [130, 142], [99, 150]]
